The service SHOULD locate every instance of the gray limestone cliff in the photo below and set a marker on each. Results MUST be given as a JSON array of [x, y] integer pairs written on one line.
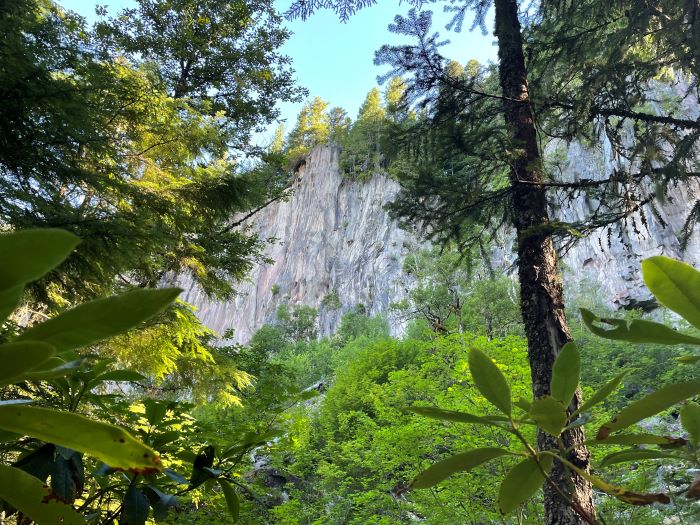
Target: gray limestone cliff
[[334, 239]]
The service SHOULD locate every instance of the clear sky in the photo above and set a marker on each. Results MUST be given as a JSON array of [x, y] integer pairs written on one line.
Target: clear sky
[[334, 60]]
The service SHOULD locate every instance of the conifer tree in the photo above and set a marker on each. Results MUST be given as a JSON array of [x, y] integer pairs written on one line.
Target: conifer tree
[[312, 128], [478, 161], [589, 64], [98, 137], [362, 151]]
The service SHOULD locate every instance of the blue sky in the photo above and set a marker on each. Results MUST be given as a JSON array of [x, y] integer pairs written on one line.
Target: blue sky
[[334, 60]]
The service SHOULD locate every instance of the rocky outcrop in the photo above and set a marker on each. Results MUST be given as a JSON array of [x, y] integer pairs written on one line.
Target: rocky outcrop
[[336, 247]]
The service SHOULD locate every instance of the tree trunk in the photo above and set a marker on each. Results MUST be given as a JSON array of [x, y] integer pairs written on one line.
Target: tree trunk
[[542, 302]]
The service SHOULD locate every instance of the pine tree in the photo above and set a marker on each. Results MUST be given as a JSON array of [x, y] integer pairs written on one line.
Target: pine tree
[[313, 127], [362, 150]]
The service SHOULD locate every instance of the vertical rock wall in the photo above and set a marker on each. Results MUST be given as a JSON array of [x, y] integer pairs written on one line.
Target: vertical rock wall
[[333, 237]]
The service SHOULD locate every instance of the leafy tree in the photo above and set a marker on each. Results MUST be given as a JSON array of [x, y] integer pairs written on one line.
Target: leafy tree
[[100, 141], [450, 296]]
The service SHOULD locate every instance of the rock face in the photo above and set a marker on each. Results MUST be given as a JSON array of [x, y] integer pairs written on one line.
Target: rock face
[[334, 241]]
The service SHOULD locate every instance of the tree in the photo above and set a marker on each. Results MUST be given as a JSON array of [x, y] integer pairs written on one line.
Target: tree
[[395, 99], [340, 124], [312, 128], [100, 140], [362, 151], [499, 176]]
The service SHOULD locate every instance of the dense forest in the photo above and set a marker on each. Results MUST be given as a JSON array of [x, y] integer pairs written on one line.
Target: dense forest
[[131, 158]]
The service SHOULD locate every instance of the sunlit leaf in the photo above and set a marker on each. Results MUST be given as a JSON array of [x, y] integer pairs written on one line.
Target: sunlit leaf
[[521, 482], [111, 444], [463, 462], [27, 255], [34, 499], [650, 405], [565, 374], [97, 320], [490, 381], [549, 414], [675, 284]]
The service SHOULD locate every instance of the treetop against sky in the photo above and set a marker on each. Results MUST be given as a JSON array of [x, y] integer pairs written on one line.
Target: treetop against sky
[[334, 60]]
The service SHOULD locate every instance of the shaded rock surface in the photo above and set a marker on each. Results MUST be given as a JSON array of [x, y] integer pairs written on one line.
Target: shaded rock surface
[[333, 237]]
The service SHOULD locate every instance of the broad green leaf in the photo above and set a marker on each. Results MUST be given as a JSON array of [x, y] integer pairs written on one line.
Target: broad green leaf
[[523, 404], [638, 439], [63, 368], [566, 372], [160, 502], [675, 284], [135, 507], [92, 322], [34, 499], [632, 498], [463, 462], [635, 454], [21, 357], [690, 419], [27, 255], [549, 414], [457, 417], [155, 410], [521, 483], [688, 359], [650, 405], [490, 381], [9, 301], [232, 501], [636, 331], [111, 444], [602, 394]]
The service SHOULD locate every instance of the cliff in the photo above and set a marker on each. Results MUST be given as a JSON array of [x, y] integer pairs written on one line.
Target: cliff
[[334, 240]]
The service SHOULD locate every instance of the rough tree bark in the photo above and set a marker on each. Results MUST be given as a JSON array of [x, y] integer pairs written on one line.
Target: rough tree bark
[[542, 303]]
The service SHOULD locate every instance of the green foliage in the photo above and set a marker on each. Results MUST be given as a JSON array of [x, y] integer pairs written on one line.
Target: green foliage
[[453, 294], [50, 344], [312, 128], [332, 301], [131, 136]]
